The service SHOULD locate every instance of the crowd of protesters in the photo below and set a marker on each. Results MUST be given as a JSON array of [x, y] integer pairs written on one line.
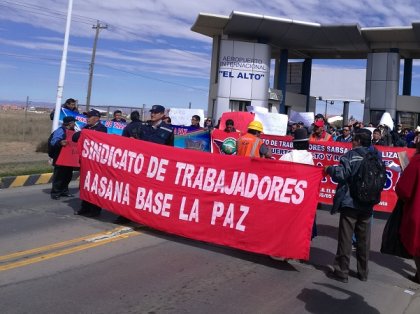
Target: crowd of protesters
[[355, 217], [382, 135]]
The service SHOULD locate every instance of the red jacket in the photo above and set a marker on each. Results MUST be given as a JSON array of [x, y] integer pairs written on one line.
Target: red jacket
[[408, 188]]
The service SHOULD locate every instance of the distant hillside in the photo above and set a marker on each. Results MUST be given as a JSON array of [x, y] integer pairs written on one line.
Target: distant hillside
[[23, 103]]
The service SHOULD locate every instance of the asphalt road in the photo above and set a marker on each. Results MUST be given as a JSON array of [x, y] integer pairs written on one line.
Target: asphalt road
[[54, 262]]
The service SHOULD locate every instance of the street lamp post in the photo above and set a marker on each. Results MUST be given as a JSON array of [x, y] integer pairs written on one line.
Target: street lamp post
[[326, 107], [62, 69]]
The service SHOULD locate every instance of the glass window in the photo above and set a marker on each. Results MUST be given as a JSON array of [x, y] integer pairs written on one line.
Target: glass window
[[408, 119], [375, 116]]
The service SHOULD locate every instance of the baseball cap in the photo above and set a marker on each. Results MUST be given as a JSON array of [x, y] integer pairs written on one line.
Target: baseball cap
[[157, 109], [93, 113], [68, 119], [319, 123]]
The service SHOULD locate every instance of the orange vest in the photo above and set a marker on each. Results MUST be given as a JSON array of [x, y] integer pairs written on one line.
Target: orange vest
[[248, 145], [324, 137]]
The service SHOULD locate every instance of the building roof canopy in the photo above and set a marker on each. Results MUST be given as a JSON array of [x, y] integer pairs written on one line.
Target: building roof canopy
[[311, 40]]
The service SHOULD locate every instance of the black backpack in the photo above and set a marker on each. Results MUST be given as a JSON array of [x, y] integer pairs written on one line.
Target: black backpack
[[53, 151], [368, 182]]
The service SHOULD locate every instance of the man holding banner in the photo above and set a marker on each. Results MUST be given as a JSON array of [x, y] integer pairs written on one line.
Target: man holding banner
[[93, 123], [155, 131], [62, 174]]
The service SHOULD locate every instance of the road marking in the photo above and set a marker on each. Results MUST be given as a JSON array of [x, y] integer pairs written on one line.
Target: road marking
[[44, 178], [92, 240], [19, 181], [53, 246]]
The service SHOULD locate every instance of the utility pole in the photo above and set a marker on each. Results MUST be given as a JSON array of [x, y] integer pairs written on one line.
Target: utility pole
[[26, 115], [98, 28]]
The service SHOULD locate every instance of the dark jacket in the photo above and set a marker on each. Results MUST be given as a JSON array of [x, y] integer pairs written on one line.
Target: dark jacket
[[341, 139], [342, 174], [379, 142], [97, 127], [162, 134], [398, 139], [133, 129]]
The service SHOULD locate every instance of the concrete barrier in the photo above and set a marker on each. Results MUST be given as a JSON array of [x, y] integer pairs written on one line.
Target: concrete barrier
[[32, 179]]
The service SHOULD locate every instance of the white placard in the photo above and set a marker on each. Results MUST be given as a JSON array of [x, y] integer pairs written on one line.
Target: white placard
[[386, 119], [256, 109], [181, 116], [273, 123], [306, 117]]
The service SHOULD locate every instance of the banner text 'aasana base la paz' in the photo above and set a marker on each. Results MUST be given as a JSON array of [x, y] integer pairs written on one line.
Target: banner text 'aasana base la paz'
[[257, 205]]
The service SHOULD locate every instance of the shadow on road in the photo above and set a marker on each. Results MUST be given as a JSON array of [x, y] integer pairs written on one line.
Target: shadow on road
[[327, 231], [248, 256], [317, 301], [394, 263]]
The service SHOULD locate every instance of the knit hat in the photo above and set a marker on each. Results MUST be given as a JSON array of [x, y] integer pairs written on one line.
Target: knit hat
[[68, 119], [93, 113], [301, 135]]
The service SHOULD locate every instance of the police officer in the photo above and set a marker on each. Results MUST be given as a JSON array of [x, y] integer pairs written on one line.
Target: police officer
[[155, 130], [93, 123], [62, 174], [251, 144]]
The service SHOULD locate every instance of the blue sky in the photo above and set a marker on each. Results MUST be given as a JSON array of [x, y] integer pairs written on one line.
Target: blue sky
[[148, 55]]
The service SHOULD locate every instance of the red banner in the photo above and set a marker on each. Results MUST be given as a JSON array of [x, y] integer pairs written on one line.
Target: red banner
[[329, 153], [240, 119], [258, 205], [69, 154], [224, 143]]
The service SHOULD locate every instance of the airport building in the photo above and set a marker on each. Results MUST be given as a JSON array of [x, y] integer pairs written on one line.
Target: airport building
[[244, 45]]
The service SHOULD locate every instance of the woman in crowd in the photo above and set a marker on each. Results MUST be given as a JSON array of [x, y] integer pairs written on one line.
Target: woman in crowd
[[208, 124], [407, 188], [195, 122]]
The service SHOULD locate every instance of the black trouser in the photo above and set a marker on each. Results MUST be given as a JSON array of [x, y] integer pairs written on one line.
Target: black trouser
[[61, 179], [359, 223]]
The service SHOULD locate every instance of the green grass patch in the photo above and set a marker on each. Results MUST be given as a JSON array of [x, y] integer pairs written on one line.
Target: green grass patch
[[24, 168]]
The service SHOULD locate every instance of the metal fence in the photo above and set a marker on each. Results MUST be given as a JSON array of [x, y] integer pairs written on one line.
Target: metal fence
[[108, 111]]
